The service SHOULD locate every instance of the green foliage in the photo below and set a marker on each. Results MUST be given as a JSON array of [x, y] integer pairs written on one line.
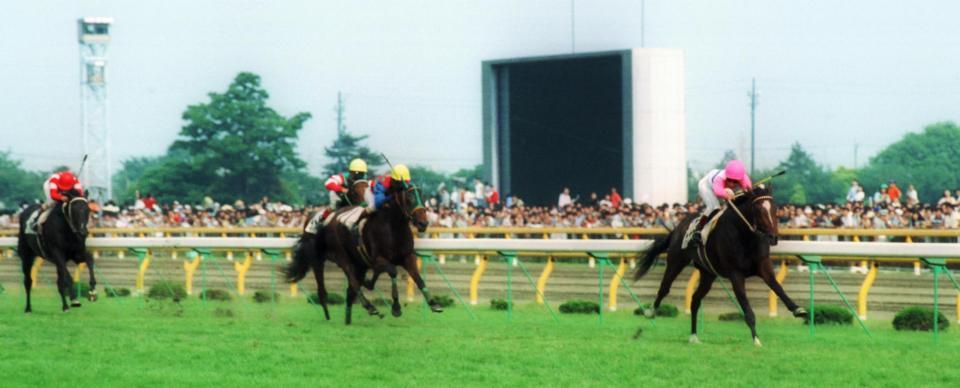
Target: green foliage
[[731, 317], [580, 307], [216, 294], [499, 304], [167, 290], [264, 296], [806, 181], [918, 318], [223, 312], [693, 180], [333, 298], [83, 289], [116, 292], [16, 184], [929, 160], [830, 314], [383, 302], [126, 180], [665, 310], [2, 289], [347, 147], [233, 145], [443, 300]]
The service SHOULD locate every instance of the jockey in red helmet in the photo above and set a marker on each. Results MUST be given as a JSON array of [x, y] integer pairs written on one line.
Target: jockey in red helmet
[[718, 184], [57, 189]]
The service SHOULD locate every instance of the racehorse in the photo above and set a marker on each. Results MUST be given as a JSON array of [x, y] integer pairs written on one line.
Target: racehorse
[[387, 242], [387, 239], [738, 248], [61, 238]]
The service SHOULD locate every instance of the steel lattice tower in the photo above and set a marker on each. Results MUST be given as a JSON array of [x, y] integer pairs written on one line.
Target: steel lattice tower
[[94, 35]]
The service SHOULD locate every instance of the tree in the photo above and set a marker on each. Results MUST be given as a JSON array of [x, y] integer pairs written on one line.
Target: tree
[[347, 147], [806, 181], [126, 181], [17, 185], [233, 146], [728, 155], [929, 160]]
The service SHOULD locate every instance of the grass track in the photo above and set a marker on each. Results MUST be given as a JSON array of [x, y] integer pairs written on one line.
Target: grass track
[[130, 343]]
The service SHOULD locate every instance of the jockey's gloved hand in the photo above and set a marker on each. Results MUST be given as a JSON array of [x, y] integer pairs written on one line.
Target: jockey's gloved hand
[[729, 193]]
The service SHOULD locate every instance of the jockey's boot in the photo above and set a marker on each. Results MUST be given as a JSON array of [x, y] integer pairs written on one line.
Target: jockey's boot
[[697, 237]]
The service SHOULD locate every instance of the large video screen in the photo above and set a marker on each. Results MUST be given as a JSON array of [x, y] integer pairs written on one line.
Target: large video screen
[[560, 124]]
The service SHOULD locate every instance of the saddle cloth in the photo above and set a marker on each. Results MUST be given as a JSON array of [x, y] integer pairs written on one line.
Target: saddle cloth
[[33, 223], [348, 217], [705, 233]]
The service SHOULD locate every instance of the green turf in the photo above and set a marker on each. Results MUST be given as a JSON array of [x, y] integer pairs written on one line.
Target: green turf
[[128, 342]]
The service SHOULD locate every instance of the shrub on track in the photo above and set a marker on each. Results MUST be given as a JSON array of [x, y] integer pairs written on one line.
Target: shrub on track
[[665, 310], [443, 300], [116, 292], [167, 290], [580, 307], [263, 296], [333, 298], [918, 318], [731, 317], [216, 294], [830, 314], [498, 304]]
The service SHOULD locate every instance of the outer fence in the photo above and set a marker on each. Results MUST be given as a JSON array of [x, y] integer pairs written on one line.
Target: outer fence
[[598, 252]]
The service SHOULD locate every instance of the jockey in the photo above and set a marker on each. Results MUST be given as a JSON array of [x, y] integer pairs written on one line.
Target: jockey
[[339, 184], [398, 179], [718, 184], [56, 189]]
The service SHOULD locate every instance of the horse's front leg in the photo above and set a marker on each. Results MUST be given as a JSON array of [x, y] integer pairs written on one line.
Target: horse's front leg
[[92, 296], [65, 284], [740, 290], [395, 309], [766, 273], [410, 264]]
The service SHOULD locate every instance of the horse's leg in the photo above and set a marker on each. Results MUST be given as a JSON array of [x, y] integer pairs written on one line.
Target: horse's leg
[[706, 281], [675, 265], [27, 265], [766, 273], [740, 290], [395, 308], [370, 283], [321, 288], [93, 279], [410, 264], [64, 282]]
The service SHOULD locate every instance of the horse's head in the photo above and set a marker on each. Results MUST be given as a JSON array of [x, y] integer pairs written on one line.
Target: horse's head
[[358, 191], [76, 211], [408, 198], [764, 213]]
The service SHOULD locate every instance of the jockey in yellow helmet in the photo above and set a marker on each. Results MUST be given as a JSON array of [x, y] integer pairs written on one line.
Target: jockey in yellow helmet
[[339, 184]]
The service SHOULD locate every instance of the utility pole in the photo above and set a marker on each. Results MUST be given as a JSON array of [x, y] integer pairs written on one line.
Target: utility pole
[[856, 160], [753, 126], [339, 110]]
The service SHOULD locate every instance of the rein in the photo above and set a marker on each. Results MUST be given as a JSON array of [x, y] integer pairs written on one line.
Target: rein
[[65, 209], [752, 227]]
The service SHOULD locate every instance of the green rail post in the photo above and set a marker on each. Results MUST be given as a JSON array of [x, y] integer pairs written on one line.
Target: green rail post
[[812, 262], [427, 257], [602, 260], [141, 254], [534, 285], [204, 255], [937, 265], [274, 255], [509, 256]]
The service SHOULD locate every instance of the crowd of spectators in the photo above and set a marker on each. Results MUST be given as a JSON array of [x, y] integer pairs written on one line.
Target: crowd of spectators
[[888, 208]]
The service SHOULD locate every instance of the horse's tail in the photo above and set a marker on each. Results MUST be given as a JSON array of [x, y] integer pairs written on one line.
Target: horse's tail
[[298, 269], [659, 246]]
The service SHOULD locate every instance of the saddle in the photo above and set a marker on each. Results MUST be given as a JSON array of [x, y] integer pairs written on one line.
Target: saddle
[[705, 233], [34, 225]]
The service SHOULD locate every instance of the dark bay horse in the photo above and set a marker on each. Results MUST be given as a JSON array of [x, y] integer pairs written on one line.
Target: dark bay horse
[[738, 248], [388, 240], [62, 238]]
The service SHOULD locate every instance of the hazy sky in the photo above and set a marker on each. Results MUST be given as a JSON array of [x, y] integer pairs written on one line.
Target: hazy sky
[[831, 73]]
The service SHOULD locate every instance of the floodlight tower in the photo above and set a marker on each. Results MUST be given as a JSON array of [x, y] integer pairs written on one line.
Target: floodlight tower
[[94, 35]]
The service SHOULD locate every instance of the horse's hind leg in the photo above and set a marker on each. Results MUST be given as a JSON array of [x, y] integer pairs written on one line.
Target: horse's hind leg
[[675, 265], [766, 273], [706, 281], [93, 279], [321, 288], [395, 309], [26, 262], [739, 289]]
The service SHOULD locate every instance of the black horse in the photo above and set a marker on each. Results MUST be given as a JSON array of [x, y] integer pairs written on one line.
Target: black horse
[[386, 239], [62, 238], [738, 248]]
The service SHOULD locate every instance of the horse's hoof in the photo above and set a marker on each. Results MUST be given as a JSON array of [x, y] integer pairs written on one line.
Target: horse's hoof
[[368, 285], [92, 297], [436, 308], [694, 340], [75, 303], [396, 312], [800, 313], [756, 341], [649, 312]]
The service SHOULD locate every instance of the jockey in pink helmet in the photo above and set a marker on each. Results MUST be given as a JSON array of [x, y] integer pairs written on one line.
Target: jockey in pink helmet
[[718, 184]]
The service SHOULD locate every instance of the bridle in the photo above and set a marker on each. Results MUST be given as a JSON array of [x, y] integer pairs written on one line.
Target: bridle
[[408, 213], [751, 226], [66, 210]]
